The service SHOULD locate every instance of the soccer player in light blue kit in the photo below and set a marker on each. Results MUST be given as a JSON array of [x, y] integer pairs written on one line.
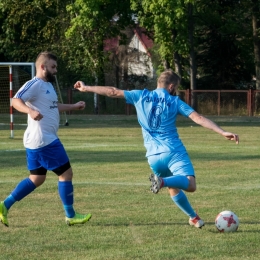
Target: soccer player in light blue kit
[[157, 111], [44, 151]]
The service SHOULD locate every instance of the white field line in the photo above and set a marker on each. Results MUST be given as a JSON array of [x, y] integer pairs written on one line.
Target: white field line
[[14, 150], [7, 124], [147, 184], [101, 145], [14, 124], [82, 146]]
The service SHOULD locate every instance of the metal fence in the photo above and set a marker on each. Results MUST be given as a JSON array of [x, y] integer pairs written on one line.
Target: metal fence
[[223, 102], [207, 102]]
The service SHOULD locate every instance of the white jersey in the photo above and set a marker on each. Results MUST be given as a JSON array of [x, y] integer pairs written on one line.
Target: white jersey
[[40, 96]]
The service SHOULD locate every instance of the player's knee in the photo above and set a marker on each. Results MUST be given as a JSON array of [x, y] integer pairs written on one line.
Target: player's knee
[[192, 185], [191, 188], [38, 180], [66, 176]]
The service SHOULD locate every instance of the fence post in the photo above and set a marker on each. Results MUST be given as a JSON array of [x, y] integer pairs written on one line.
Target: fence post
[[69, 97], [218, 102], [249, 102], [127, 106], [187, 96]]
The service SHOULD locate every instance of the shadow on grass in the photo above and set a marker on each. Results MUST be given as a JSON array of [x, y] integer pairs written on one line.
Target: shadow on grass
[[98, 224], [86, 156], [166, 223]]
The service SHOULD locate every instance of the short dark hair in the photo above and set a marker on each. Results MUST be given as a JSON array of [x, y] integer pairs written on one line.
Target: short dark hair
[[168, 77], [47, 55]]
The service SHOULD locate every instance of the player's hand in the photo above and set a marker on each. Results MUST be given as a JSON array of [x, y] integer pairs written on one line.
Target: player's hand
[[80, 85], [231, 136], [35, 115], [79, 105]]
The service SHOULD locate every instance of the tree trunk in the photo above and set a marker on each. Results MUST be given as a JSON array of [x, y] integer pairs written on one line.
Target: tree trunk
[[193, 66], [166, 64], [176, 56], [177, 64], [96, 110], [256, 42]]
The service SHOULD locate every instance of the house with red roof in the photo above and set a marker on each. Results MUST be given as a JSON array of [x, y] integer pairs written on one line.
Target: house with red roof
[[132, 61]]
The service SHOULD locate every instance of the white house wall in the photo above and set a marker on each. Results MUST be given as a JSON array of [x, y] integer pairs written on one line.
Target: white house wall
[[142, 66]]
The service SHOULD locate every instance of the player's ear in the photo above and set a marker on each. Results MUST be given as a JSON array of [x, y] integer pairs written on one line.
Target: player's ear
[[172, 87]]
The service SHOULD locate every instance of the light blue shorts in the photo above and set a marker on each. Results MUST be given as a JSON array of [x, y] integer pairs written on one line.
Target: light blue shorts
[[50, 156], [169, 164]]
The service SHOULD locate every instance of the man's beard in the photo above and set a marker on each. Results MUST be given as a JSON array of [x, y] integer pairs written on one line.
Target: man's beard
[[49, 77]]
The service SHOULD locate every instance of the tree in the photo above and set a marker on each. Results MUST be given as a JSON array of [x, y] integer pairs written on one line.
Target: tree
[[92, 22], [256, 38], [30, 27], [172, 23], [224, 52]]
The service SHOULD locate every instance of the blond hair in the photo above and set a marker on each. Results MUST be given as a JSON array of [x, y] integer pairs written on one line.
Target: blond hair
[[168, 77]]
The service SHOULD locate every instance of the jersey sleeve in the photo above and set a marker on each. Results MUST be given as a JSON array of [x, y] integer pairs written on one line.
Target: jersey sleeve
[[183, 108], [28, 91], [132, 96]]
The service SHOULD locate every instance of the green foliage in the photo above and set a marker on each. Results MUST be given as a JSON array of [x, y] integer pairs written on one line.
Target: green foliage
[[75, 30], [29, 27], [222, 38], [164, 18], [92, 22], [224, 46]]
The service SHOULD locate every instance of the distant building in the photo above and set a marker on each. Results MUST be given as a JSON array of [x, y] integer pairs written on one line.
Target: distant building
[[131, 63]]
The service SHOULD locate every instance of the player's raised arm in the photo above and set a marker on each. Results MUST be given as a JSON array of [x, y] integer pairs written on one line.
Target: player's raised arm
[[101, 90], [207, 123]]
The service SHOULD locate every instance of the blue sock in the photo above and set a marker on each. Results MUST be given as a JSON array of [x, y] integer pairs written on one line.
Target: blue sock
[[9, 201], [23, 188], [182, 202], [180, 182], [66, 195]]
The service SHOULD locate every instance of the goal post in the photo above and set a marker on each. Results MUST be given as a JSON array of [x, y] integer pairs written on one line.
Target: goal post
[[12, 76]]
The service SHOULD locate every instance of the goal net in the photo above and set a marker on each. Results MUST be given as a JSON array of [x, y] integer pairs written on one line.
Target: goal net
[[12, 76]]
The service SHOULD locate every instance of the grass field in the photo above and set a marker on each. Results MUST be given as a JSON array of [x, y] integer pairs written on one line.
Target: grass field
[[128, 221]]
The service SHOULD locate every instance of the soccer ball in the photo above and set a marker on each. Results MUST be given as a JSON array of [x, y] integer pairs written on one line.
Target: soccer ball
[[227, 221]]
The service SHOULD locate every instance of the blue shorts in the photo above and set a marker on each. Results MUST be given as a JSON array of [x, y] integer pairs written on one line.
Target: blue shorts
[[49, 157], [169, 164]]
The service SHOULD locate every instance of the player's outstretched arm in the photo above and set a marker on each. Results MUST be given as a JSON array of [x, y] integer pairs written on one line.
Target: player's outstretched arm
[[207, 123], [68, 107], [100, 90]]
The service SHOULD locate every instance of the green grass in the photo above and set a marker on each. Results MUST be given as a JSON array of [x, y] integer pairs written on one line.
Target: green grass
[[111, 181]]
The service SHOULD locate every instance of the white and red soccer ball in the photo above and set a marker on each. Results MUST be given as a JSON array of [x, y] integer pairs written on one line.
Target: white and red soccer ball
[[227, 221]]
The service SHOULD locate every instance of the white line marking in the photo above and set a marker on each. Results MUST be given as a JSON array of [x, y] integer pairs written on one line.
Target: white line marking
[[82, 146], [15, 150], [147, 184]]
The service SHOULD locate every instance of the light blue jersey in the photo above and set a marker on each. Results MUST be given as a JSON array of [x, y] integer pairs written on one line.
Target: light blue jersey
[[157, 111]]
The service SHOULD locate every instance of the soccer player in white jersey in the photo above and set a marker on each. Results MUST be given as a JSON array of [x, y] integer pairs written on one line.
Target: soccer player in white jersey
[[44, 150], [168, 159]]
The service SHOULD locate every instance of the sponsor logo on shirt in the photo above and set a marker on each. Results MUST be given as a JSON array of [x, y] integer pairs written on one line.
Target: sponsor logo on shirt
[[54, 104], [157, 100]]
